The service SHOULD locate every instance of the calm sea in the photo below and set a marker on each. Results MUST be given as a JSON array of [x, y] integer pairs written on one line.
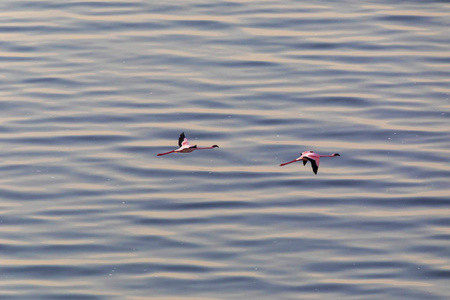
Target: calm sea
[[91, 91]]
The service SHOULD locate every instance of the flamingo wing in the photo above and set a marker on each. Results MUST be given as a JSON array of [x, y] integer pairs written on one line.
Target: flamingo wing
[[182, 140], [314, 165]]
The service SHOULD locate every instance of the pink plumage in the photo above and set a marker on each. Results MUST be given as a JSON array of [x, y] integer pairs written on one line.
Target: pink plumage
[[183, 143], [313, 158]]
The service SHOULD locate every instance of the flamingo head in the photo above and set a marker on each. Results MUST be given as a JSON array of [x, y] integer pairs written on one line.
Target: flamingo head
[[215, 146], [335, 154]]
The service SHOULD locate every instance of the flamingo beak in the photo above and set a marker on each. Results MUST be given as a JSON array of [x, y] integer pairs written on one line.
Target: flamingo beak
[[215, 146]]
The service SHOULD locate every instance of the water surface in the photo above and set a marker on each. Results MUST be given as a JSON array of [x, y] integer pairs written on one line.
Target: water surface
[[91, 91]]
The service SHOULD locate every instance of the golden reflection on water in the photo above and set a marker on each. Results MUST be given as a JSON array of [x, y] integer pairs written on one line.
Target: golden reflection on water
[[378, 281], [121, 199]]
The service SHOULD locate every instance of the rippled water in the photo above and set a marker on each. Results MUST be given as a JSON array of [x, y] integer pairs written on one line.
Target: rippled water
[[91, 91]]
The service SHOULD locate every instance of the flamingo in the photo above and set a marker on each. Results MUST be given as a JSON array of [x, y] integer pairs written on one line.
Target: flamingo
[[185, 147], [312, 157]]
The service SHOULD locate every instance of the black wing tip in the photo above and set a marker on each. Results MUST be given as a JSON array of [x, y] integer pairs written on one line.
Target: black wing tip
[[181, 139], [314, 166]]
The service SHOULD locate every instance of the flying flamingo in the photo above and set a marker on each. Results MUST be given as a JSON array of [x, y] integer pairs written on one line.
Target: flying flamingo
[[185, 147], [312, 157]]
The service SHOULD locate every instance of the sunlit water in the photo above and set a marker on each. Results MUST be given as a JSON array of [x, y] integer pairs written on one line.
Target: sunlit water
[[91, 91]]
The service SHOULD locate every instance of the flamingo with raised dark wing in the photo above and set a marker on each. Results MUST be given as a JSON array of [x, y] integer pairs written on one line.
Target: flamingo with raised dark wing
[[183, 143], [313, 158]]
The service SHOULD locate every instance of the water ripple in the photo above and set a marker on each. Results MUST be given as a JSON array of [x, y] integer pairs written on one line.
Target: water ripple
[[91, 91]]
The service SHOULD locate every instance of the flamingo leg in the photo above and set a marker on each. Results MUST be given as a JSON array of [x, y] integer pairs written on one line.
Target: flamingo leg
[[161, 154], [289, 162]]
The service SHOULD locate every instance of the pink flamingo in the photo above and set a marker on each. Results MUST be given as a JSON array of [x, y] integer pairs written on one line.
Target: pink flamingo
[[185, 147], [312, 157]]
